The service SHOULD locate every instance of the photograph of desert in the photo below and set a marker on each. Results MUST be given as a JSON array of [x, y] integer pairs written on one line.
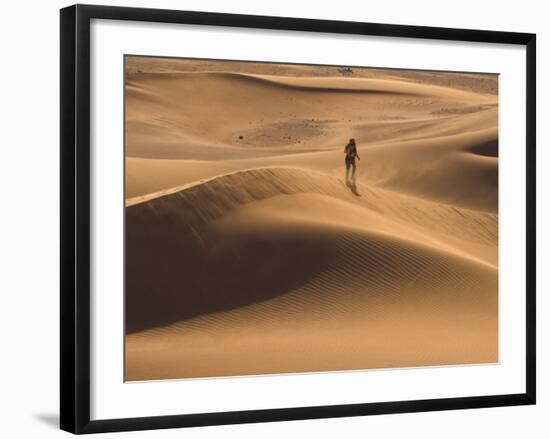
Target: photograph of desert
[[289, 218]]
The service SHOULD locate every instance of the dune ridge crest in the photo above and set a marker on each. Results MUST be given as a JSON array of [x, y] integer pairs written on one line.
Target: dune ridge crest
[[324, 84]]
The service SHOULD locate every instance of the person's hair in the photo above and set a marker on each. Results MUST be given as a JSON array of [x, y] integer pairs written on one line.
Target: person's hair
[[352, 141]]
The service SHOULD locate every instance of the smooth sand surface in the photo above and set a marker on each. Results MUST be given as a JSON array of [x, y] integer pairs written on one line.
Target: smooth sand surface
[[247, 253]]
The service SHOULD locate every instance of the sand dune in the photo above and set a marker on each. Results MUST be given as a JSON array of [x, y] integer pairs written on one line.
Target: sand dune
[[474, 82], [246, 252], [324, 253], [428, 168], [169, 115], [422, 149]]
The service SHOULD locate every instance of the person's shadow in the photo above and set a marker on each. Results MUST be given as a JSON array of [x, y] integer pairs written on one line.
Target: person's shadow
[[353, 187]]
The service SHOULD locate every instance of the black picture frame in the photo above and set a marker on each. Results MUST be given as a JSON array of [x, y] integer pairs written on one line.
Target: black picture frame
[[75, 218]]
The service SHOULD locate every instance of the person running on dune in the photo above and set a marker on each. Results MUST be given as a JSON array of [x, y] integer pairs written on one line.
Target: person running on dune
[[351, 152]]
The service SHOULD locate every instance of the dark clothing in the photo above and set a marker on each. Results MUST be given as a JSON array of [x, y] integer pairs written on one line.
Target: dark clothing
[[350, 150], [350, 163]]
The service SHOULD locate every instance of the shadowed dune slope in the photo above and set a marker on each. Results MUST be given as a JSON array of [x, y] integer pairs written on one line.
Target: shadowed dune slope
[[350, 264], [188, 227]]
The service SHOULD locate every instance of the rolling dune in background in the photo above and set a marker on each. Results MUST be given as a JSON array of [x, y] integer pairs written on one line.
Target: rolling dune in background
[[247, 253]]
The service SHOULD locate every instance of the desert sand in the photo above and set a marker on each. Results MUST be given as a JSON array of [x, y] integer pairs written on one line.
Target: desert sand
[[247, 253]]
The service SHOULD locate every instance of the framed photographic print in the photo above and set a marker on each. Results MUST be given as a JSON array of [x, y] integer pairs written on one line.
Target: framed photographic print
[[268, 218]]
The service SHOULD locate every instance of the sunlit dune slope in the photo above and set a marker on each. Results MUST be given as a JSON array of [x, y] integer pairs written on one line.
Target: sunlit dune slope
[[434, 142], [473, 82], [171, 115], [456, 169]]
